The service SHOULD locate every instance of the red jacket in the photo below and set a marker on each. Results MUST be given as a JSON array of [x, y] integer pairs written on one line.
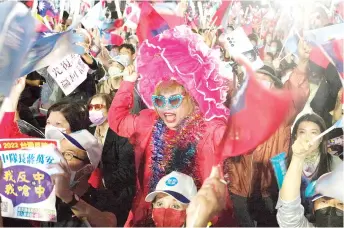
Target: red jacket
[[138, 128], [9, 128]]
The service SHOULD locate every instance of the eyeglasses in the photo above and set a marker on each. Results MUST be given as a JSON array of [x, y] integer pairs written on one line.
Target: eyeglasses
[[160, 101], [97, 107], [69, 156]]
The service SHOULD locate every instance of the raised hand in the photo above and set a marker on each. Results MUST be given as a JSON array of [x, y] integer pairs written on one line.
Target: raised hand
[[209, 201]]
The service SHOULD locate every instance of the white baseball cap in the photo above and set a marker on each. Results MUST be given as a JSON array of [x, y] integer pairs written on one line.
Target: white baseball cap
[[178, 185], [82, 139]]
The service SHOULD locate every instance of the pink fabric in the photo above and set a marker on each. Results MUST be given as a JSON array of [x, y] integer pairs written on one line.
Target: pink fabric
[[163, 58], [138, 128]]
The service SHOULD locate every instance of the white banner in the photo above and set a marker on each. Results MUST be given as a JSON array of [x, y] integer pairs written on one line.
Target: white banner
[[69, 73]]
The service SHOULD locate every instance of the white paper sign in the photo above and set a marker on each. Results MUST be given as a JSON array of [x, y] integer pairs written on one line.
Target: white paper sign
[[69, 73]]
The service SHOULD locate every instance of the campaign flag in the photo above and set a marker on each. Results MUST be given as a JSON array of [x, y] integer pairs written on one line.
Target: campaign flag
[[93, 17], [26, 188], [17, 31], [256, 113], [329, 52], [222, 14], [334, 49], [112, 39], [169, 13], [45, 8], [332, 184], [46, 50], [291, 44], [150, 24], [131, 15], [325, 34]]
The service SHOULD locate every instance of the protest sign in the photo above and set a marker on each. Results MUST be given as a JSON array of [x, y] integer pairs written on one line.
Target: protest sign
[[238, 43], [17, 30], [69, 73], [26, 189]]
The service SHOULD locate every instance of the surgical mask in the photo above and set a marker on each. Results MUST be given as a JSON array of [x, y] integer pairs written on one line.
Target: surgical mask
[[329, 217], [273, 50], [168, 217], [49, 128], [114, 71], [97, 117]]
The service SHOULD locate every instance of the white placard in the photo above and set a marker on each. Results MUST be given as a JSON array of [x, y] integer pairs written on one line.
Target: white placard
[[69, 73]]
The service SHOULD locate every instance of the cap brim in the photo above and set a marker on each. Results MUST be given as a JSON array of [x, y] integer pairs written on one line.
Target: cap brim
[[58, 135], [151, 196], [317, 196]]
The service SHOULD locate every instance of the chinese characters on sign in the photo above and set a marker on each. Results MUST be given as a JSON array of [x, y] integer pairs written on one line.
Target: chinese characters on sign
[[25, 186], [69, 73]]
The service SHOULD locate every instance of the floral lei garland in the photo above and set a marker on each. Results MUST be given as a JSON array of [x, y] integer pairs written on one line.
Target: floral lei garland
[[176, 152]]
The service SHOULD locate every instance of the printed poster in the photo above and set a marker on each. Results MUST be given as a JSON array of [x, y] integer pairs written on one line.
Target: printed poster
[[26, 189], [69, 73]]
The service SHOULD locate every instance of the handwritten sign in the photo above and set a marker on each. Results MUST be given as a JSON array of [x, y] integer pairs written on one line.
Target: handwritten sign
[[26, 189], [69, 73]]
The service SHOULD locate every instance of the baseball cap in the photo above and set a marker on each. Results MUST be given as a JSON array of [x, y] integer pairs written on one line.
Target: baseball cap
[[178, 185], [82, 139], [269, 70]]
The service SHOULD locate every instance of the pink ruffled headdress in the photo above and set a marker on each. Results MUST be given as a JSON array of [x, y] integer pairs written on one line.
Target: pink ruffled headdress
[[181, 55]]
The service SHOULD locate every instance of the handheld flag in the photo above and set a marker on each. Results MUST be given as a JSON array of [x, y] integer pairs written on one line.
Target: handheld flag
[[222, 14], [256, 113], [17, 31], [338, 124], [150, 24]]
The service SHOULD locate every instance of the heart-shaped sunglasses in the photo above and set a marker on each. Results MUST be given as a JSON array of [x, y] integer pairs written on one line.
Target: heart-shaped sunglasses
[[161, 101]]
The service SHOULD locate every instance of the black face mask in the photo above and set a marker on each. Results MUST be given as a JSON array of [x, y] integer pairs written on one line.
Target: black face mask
[[329, 217]]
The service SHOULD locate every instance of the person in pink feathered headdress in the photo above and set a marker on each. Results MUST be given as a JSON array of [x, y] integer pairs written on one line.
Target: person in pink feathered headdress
[[178, 79]]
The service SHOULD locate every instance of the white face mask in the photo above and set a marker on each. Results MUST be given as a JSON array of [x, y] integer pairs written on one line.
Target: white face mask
[[50, 127], [114, 71], [75, 176], [273, 50]]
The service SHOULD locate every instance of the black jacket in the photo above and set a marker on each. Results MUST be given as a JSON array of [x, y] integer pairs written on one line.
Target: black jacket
[[118, 168], [325, 98]]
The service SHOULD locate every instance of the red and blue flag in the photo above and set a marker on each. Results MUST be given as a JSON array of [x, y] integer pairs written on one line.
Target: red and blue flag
[[150, 24]]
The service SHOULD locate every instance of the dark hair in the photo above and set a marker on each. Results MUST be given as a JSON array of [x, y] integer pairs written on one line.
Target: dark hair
[[279, 46], [253, 37], [75, 114], [270, 54], [2, 98], [106, 97], [128, 46], [325, 158]]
